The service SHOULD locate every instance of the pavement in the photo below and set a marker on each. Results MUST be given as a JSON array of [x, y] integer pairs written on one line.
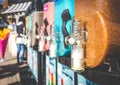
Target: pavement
[[13, 74]]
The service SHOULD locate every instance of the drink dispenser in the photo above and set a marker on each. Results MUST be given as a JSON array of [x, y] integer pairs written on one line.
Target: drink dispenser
[[53, 43], [77, 39], [41, 41], [103, 23]]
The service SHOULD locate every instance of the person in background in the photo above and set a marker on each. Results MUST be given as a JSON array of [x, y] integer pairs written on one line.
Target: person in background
[[20, 26], [10, 23], [12, 47]]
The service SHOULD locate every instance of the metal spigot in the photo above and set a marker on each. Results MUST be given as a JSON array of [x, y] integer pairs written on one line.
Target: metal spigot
[[77, 51], [75, 36], [53, 43], [41, 41]]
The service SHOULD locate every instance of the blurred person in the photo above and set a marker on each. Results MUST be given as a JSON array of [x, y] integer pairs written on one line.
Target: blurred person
[[20, 27], [10, 23], [12, 47], [9, 40]]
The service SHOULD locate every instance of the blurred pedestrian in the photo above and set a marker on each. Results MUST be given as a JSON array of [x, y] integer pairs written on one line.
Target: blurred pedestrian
[[12, 47], [20, 26]]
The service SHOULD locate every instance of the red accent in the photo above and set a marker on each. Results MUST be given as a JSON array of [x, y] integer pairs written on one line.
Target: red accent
[[62, 82]]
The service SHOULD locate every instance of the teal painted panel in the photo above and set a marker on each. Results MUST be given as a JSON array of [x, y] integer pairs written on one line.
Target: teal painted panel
[[63, 13]]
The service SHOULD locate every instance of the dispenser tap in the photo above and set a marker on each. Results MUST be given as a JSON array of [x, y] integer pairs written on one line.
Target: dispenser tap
[[75, 39], [53, 43]]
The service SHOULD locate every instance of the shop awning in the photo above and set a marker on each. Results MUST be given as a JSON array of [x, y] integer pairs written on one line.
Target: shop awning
[[19, 7]]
